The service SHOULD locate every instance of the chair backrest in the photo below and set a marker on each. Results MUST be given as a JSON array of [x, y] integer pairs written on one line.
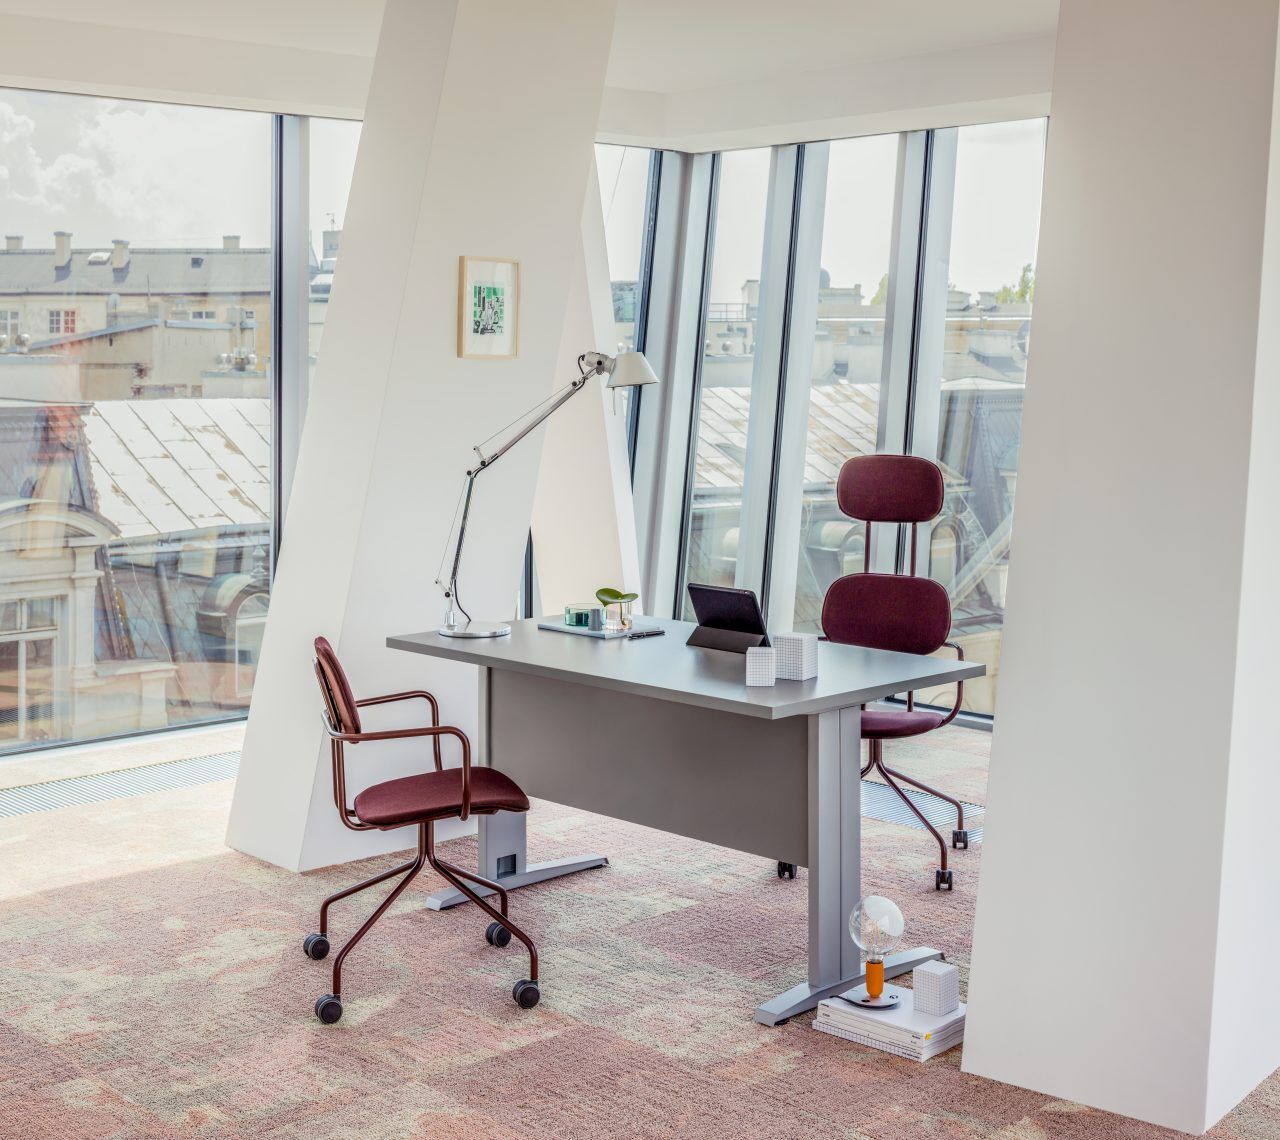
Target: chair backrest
[[887, 611], [339, 701], [890, 489]]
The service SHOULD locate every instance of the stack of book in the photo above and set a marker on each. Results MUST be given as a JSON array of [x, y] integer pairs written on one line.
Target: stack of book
[[900, 1030]]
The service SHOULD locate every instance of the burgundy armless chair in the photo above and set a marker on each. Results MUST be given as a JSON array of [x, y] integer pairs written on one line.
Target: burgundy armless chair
[[900, 612], [412, 801]]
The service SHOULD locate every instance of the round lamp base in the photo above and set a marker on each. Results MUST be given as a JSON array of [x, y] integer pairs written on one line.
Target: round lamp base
[[887, 1000], [476, 629]]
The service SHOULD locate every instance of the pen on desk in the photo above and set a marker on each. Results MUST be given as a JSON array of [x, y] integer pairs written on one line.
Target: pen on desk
[[645, 633]]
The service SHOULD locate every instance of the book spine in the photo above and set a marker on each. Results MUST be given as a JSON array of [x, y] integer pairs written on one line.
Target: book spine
[[871, 1043]]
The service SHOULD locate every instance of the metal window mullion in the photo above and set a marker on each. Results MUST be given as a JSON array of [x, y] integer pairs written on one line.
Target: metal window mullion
[[756, 511], [902, 319], [22, 688], [643, 290], [290, 300], [673, 344], [791, 437]]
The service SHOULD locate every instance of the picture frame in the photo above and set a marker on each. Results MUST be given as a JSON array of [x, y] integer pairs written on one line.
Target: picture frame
[[488, 308]]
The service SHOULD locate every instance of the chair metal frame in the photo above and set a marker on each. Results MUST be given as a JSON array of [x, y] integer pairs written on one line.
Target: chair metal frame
[[875, 748], [426, 854]]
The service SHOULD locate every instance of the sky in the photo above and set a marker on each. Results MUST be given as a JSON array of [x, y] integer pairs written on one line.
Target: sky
[[154, 174], [995, 223]]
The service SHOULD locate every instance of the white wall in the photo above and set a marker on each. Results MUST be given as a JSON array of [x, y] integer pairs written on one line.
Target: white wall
[[584, 528], [394, 412], [1129, 702], [984, 84], [95, 55]]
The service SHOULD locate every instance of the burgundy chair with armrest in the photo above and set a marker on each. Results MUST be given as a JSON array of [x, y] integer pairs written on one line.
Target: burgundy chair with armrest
[[899, 612], [412, 801]]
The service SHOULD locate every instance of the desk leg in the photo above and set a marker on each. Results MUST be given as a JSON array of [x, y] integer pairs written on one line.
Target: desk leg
[[502, 848], [835, 849]]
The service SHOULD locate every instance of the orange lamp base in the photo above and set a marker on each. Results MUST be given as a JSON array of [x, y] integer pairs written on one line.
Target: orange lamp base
[[875, 980]]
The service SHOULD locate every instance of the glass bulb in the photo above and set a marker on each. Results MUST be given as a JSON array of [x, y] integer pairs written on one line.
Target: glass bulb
[[876, 925]]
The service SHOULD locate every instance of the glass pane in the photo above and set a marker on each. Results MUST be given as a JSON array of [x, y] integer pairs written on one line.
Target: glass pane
[[724, 404], [10, 653], [333, 146], [991, 287], [135, 467], [848, 351], [40, 692]]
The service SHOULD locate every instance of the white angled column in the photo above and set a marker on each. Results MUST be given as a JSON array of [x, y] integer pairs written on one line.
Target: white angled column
[[1127, 910], [478, 141]]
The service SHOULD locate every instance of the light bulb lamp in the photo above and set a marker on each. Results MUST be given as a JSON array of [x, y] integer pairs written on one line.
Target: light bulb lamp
[[626, 370], [876, 926]]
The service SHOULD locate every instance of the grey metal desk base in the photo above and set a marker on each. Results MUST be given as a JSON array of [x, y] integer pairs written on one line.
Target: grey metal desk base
[[771, 772]]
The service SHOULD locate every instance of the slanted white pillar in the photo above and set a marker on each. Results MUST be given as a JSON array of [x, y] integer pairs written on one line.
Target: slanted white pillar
[[1128, 887], [477, 140], [584, 527]]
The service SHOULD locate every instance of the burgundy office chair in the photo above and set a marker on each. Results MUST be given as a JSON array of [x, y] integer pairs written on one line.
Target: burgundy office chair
[[900, 612], [412, 801]]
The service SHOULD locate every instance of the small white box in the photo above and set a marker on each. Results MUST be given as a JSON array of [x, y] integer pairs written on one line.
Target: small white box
[[762, 666], [797, 656], [936, 987]]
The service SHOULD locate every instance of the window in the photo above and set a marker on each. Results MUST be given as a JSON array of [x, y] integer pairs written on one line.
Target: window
[[858, 296], [9, 323], [62, 322], [333, 146], [138, 499], [728, 372], [29, 711], [847, 359], [976, 394]]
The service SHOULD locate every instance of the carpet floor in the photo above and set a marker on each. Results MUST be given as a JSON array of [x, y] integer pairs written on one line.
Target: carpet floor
[[165, 994]]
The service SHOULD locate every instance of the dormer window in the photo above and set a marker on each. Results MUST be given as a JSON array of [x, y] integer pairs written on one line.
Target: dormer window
[[197, 263]]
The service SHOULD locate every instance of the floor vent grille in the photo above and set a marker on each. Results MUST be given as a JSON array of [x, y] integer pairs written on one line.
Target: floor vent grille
[[880, 802], [100, 786]]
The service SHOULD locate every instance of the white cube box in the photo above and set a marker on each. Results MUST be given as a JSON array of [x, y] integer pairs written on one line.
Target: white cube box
[[762, 666], [936, 987], [797, 656]]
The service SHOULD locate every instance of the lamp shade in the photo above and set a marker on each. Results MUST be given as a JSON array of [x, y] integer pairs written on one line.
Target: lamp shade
[[630, 370]]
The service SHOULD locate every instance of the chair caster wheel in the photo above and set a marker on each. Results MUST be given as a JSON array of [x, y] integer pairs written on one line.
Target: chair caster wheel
[[786, 870], [497, 934], [526, 994], [960, 839], [942, 881], [315, 946], [328, 1008]]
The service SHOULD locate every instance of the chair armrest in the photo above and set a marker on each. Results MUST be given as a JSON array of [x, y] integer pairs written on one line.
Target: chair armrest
[[420, 694], [959, 685], [435, 731]]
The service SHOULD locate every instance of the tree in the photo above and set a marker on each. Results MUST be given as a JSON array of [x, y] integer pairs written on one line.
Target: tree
[[1024, 290], [882, 291]]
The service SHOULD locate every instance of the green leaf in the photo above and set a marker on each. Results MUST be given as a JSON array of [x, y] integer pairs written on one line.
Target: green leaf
[[627, 597], [607, 595]]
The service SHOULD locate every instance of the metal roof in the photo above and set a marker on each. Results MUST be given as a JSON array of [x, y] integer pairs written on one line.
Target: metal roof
[[148, 271], [161, 466]]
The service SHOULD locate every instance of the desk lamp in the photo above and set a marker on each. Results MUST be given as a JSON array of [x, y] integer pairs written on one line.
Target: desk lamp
[[626, 370]]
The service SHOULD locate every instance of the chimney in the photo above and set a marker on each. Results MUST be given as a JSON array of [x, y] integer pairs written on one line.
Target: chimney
[[119, 253], [12, 242], [61, 249], [230, 242]]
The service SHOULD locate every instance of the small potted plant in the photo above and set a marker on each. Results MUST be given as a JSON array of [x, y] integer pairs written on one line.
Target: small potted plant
[[609, 597]]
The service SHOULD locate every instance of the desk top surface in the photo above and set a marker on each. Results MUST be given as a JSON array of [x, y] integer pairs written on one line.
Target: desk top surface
[[666, 669]]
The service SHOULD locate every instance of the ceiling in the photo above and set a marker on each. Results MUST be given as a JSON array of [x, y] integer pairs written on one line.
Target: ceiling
[[660, 45]]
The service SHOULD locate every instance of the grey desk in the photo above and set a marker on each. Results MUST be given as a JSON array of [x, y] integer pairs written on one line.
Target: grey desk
[[670, 737]]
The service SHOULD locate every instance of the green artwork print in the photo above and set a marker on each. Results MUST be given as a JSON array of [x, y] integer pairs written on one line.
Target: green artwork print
[[488, 310]]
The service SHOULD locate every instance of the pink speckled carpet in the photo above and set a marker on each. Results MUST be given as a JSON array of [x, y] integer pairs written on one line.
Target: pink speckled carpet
[[174, 1001]]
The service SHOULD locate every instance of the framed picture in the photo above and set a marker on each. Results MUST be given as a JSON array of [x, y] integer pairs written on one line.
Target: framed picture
[[488, 307]]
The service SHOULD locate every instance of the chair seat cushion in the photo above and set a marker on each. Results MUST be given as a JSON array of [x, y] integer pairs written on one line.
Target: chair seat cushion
[[437, 795], [878, 724]]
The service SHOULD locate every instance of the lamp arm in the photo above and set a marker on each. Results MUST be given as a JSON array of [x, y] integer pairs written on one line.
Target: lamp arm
[[573, 388]]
